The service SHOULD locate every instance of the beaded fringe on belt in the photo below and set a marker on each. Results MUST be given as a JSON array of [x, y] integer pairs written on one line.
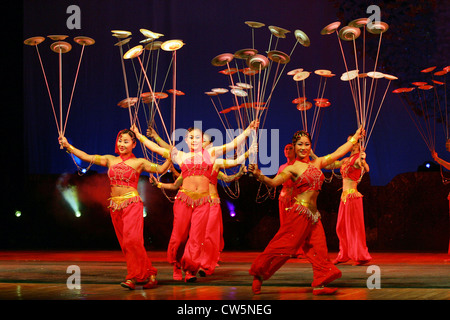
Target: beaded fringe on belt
[[123, 201]]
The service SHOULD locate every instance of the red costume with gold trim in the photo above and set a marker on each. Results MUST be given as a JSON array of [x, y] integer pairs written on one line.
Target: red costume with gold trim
[[301, 228], [350, 227]]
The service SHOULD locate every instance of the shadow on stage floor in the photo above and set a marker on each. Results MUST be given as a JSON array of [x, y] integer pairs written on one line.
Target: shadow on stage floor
[[43, 275]]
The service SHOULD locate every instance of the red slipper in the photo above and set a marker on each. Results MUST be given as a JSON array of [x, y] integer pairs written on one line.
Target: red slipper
[[256, 285], [324, 291]]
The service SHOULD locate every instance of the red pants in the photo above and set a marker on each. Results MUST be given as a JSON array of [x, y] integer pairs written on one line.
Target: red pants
[[128, 224], [297, 231], [188, 235], [351, 231], [213, 243]]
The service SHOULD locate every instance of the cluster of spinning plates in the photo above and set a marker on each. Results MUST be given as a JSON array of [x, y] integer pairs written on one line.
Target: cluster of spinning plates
[[148, 43], [59, 45], [353, 74], [353, 30], [256, 61], [148, 97], [422, 85]]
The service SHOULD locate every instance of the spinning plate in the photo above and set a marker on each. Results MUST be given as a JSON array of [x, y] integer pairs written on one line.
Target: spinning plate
[[419, 84], [120, 33], [61, 47], [350, 75], [302, 38], [303, 106], [258, 62], [349, 33], [239, 92], [229, 71], [219, 90], [222, 59], [426, 87], [127, 102], [150, 34], [155, 45], [375, 75], [176, 92], [301, 75], [122, 42], [133, 52], [294, 72], [278, 32], [358, 23], [249, 72], [390, 77], [57, 37], [278, 56], [254, 24], [377, 27], [172, 45], [323, 104], [244, 85], [428, 69], [299, 100], [438, 82], [322, 72], [84, 41], [440, 73], [245, 53], [329, 29], [34, 41], [211, 93]]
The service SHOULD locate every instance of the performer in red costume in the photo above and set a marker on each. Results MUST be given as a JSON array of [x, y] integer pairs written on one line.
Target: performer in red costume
[[446, 165], [285, 196], [126, 206], [192, 203], [350, 222], [302, 227]]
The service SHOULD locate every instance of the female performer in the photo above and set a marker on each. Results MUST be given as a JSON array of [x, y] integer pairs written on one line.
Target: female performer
[[446, 165], [126, 206], [301, 226], [350, 222], [192, 203]]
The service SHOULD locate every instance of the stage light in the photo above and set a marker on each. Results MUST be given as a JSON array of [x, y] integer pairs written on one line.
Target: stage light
[[428, 166], [18, 213], [71, 196], [231, 208]]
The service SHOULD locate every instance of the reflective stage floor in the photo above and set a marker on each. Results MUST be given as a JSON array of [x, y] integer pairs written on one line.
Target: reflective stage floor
[[45, 275]]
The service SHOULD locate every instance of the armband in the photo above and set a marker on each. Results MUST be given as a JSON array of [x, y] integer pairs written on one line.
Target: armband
[[327, 159], [154, 167], [142, 138], [70, 148], [353, 140], [97, 160]]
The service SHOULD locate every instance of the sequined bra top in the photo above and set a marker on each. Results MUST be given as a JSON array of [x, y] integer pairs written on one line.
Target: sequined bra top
[[121, 174], [348, 170], [310, 180], [198, 165]]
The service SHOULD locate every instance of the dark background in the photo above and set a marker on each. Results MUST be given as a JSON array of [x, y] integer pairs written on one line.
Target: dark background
[[33, 163]]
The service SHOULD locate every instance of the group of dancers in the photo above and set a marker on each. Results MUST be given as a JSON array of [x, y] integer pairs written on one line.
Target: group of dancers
[[197, 235]]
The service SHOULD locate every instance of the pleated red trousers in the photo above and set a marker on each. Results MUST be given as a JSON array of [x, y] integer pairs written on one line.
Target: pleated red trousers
[[297, 231], [129, 224], [351, 231], [213, 244], [188, 235]]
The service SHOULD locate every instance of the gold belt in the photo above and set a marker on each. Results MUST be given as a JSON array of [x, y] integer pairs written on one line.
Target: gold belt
[[306, 204], [124, 197], [194, 194]]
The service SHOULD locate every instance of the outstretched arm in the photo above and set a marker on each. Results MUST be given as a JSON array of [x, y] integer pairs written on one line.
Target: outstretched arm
[[150, 144], [237, 141], [151, 133], [168, 186], [342, 150], [279, 179], [155, 168], [226, 178], [95, 159]]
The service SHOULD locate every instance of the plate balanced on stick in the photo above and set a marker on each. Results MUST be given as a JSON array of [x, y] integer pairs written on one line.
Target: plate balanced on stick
[[60, 46], [363, 96]]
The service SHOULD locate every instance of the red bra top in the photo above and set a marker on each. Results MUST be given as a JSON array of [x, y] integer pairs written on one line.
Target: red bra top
[[121, 174], [199, 165], [348, 170], [311, 179]]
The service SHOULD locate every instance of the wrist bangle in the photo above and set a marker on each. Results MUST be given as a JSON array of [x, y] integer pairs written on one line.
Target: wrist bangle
[[159, 184], [261, 177], [142, 138], [353, 140], [70, 148], [158, 139]]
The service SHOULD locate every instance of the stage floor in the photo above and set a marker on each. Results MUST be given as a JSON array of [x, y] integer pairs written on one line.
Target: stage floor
[[43, 275]]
